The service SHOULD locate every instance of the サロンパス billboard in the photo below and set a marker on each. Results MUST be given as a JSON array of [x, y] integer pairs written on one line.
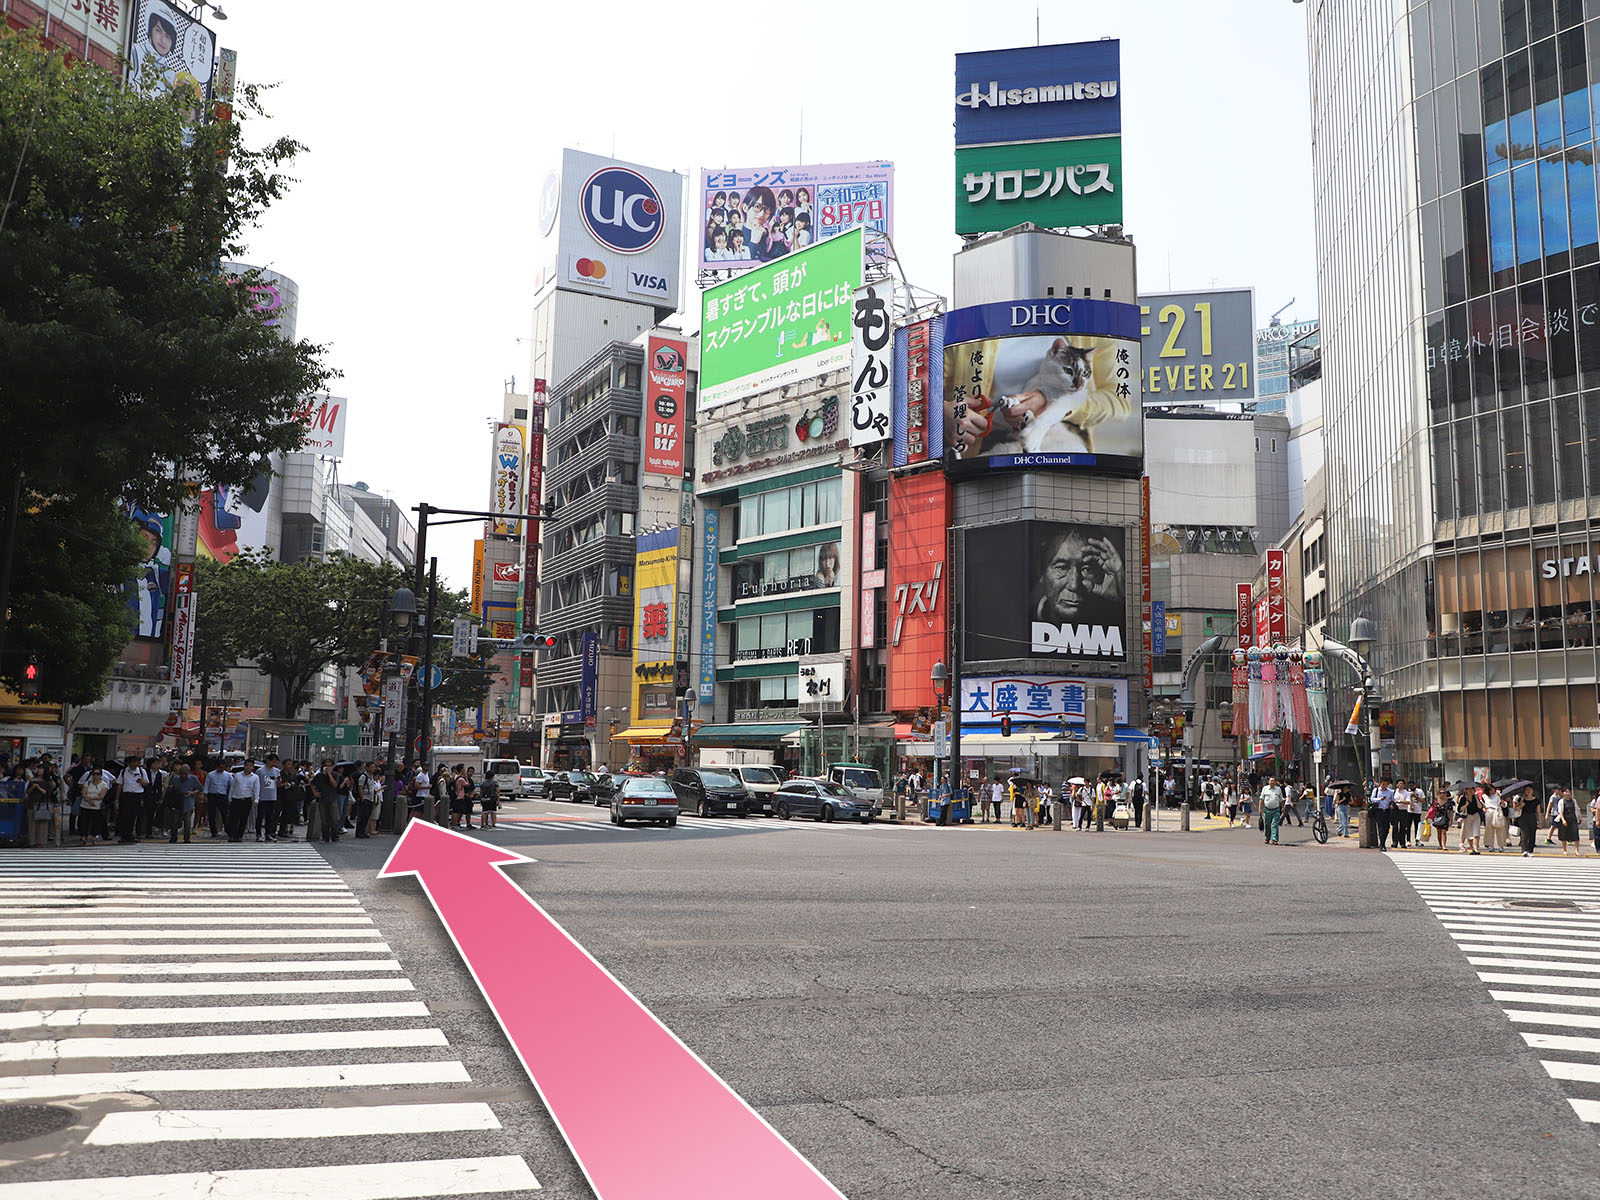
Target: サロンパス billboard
[[1074, 604], [785, 321], [1199, 346], [1038, 93], [616, 228], [667, 369], [1044, 383], [754, 215], [1052, 184]]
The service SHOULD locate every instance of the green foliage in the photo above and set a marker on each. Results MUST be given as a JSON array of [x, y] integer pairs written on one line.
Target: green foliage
[[74, 557], [129, 357], [294, 620]]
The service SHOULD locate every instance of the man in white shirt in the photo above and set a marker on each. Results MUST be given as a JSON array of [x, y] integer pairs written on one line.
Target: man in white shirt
[[216, 790], [267, 811], [131, 784], [244, 791]]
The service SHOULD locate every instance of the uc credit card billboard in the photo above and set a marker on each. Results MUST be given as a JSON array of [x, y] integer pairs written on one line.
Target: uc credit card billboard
[[752, 215], [785, 321], [1044, 383]]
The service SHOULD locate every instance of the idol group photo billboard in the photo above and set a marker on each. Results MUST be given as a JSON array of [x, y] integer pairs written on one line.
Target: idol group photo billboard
[[756, 214], [1046, 589], [1044, 383]]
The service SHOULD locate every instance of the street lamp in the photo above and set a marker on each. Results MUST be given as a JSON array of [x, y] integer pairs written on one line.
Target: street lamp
[[403, 608], [940, 677], [227, 703]]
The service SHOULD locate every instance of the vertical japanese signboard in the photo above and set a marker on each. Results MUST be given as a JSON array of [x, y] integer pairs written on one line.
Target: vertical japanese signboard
[[506, 487], [394, 705], [666, 361], [919, 387], [532, 530], [1144, 582], [477, 579], [589, 682], [1246, 603], [1277, 604], [871, 365], [872, 578], [185, 607], [708, 606], [1158, 627]]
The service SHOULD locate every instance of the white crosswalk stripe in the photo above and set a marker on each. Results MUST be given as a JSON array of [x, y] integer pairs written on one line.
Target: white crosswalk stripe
[[187, 974], [1532, 928]]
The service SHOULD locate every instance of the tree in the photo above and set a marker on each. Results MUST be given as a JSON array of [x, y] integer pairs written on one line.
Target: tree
[[296, 620], [69, 602], [130, 359]]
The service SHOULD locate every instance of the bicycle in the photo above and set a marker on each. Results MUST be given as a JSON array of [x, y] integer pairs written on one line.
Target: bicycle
[[1319, 826]]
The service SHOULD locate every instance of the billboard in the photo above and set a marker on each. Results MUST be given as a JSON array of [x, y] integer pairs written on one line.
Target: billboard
[[234, 519], [505, 487], [186, 610], [1039, 93], [614, 229], [325, 418], [532, 531], [589, 681], [1052, 184], [1048, 699], [477, 578], [655, 591], [918, 383], [755, 215], [917, 613], [1199, 347], [871, 364], [785, 321], [175, 49], [667, 367], [708, 603], [1042, 383], [149, 591], [1075, 601]]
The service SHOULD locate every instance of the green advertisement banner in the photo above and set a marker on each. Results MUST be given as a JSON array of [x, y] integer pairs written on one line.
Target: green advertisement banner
[[333, 735], [1052, 184], [785, 321]]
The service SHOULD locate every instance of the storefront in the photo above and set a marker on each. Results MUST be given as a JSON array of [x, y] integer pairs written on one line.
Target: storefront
[[566, 742]]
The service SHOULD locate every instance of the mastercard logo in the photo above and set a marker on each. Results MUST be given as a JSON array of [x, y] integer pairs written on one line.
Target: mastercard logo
[[590, 268]]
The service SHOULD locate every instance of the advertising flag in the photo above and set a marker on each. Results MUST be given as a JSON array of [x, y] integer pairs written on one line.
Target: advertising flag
[[506, 486]]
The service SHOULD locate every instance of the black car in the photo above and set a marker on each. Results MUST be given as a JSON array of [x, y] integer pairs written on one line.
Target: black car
[[709, 793], [821, 800], [576, 786]]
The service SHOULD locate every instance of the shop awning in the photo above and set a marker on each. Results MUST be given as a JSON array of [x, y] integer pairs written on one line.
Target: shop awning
[[744, 733], [643, 733]]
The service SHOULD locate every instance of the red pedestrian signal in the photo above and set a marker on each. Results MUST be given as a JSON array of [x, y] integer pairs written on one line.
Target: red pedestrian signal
[[1005, 726], [30, 683]]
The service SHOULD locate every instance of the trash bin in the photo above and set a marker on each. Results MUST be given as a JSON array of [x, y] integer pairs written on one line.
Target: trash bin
[[13, 821]]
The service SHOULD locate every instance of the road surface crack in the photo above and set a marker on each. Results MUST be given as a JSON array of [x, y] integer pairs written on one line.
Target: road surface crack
[[878, 1127]]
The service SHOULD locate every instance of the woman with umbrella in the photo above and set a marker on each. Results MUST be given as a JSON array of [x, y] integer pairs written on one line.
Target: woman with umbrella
[[1524, 813]]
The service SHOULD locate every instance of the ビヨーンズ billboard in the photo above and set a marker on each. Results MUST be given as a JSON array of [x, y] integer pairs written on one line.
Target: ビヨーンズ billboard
[[1043, 589], [1044, 383], [756, 214]]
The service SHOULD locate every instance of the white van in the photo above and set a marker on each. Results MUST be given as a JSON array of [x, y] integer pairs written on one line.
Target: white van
[[457, 756], [761, 780], [861, 781]]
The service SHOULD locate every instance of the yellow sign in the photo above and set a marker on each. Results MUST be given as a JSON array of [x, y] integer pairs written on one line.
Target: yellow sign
[[655, 617], [477, 578], [1174, 624]]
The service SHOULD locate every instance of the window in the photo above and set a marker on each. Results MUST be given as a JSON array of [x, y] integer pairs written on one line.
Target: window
[[783, 509], [786, 635], [805, 568]]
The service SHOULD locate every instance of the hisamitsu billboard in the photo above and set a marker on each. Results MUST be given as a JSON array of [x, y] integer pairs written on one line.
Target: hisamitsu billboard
[[1039, 93]]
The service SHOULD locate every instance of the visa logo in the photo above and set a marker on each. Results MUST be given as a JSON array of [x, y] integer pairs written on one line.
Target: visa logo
[[644, 281]]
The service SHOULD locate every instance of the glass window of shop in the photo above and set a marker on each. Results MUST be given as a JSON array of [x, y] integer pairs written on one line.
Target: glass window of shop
[[1517, 598], [779, 691], [785, 509], [786, 635], [803, 569]]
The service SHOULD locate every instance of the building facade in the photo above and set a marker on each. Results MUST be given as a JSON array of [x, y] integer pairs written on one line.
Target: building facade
[[1458, 254]]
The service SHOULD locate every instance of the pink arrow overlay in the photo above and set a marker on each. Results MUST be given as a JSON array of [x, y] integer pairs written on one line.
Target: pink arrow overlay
[[618, 1098]]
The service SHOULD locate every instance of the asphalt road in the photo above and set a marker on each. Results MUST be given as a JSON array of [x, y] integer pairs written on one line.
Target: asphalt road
[[993, 1013]]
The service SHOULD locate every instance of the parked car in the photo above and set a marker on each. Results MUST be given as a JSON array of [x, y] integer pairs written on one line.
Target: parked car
[[645, 798], [708, 792], [533, 782], [761, 781], [822, 801], [606, 786]]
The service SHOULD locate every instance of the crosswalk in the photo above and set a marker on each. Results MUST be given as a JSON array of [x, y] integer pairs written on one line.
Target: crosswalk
[[226, 1001], [559, 825], [1531, 927]]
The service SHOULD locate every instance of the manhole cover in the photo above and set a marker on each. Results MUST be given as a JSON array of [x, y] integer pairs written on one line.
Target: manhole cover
[[1555, 905], [19, 1122]]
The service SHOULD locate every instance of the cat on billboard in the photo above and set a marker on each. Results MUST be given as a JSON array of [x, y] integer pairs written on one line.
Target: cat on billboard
[[1073, 604]]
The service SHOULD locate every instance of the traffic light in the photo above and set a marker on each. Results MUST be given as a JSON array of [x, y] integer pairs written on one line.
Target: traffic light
[[1005, 726], [30, 683], [527, 643]]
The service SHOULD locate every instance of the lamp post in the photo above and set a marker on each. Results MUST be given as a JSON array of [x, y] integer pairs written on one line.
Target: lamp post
[[402, 613], [1363, 635], [940, 677], [226, 688]]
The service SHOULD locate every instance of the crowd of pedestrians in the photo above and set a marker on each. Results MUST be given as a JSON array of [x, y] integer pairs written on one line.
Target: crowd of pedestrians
[[141, 798]]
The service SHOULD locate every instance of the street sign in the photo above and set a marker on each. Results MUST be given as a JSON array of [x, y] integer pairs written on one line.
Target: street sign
[[461, 637], [941, 739], [333, 735]]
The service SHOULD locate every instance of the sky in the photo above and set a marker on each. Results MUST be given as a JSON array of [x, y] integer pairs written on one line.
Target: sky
[[412, 230]]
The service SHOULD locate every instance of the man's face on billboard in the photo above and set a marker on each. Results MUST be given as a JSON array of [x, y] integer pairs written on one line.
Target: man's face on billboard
[[1065, 576]]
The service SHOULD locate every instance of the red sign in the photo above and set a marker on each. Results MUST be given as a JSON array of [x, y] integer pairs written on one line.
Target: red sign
[[532, 531], [1144, 581], [917, 384], [917, 633], [665, 398], [1246, 626], [1263, 623], [869, 592], [1277, 605], [508, 572]]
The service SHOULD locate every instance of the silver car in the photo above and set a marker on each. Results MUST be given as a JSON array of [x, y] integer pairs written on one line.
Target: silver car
[[645, 799]]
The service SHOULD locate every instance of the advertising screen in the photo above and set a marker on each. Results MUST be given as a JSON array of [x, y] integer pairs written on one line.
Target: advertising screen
[[150, 590], [754, 215], [171, 51], [917, 632], [785, 321], [1044, 383], [1199, 346], [1040, 589], [667, 367], [1037, 93], [1052, 184]]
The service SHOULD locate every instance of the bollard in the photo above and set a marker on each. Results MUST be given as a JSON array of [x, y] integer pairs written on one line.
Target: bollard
[[1366, 832], [1183, 817]]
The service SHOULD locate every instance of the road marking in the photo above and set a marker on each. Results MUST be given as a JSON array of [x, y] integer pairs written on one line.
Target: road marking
[[88, 1018], [228, 1079], [1575, 1071], [370, 1181], [60, 1049], [1560, 998], [1520, 939], [1569, 1020], [202, 987], [1491, 948], [1557, 980], [1543, 964], [261, 1124], [82, 969], [105, 934], [1587, 1110], [1556, 1041], [208, 921], [185, 948]]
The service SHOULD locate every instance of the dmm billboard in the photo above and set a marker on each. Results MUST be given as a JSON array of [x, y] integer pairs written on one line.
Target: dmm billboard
[[786, 321], [755, 214]]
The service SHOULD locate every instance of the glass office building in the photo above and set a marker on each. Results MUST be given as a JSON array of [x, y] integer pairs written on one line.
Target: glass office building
[[1458, 258]]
